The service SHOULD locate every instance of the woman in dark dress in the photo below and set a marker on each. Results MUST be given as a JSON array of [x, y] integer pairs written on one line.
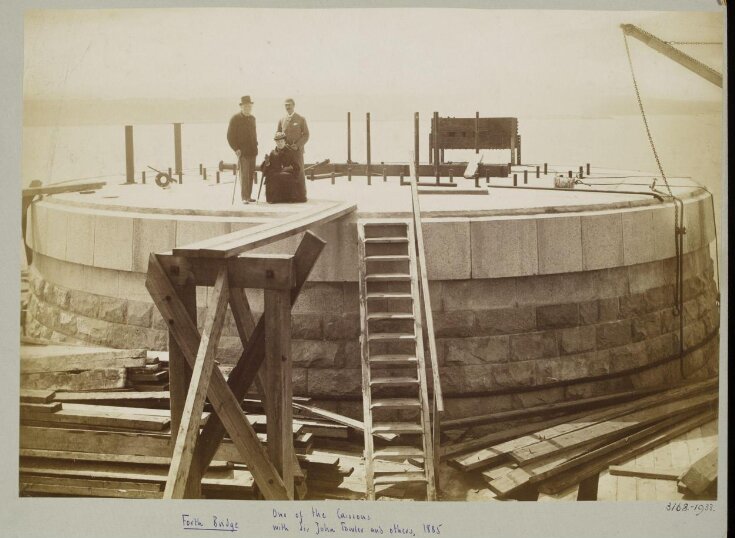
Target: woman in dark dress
[[282, 172]]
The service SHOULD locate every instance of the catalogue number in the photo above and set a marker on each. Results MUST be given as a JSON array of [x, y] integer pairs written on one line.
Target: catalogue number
[[693, 508]]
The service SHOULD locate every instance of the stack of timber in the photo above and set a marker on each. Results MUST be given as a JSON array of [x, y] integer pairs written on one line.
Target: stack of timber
[[96, 440], [561, 457]]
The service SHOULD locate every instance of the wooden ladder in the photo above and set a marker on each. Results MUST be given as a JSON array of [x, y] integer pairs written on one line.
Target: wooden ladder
[[395, 394]]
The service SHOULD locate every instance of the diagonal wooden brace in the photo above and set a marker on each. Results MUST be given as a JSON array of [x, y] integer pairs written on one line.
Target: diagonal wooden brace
[[194, 405], [224, 402], [253, 356]]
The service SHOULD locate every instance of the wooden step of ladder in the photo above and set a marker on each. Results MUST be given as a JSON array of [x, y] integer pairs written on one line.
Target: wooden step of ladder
[[393, 357]]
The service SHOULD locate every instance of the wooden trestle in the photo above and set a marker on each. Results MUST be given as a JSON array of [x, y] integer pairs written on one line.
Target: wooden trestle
[[172, 279]]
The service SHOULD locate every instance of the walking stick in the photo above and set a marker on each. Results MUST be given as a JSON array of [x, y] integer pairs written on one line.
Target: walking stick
[[234, 186], [262, 180]]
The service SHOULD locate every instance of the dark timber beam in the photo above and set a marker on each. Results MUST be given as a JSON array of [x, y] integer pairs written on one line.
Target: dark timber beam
[[674, 54]]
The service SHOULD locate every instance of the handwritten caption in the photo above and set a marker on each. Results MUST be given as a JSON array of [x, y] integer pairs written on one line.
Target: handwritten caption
[[211, 523], [692, 508], [317, 521]]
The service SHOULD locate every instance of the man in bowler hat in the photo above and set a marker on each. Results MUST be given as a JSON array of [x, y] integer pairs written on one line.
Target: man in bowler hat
[[244, 142]]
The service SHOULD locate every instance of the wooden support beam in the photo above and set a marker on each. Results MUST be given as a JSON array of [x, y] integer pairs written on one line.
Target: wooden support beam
[[265, 271], [224, 402], [277, 313], [186, 439], [242, 375], [702, 474]]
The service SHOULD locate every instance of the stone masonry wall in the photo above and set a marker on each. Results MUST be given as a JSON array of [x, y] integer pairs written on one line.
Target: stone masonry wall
[[492, 334]]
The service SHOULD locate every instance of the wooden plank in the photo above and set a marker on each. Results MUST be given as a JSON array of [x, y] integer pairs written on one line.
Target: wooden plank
[[59, 189], [671, 473], [248, 365], [444, 191], [702, 474], [627, 490], [614, 426], [98, 418], [40, 407], [607, 487], [201, 373], [34, 359], [81, 482], [262, 271], [277, 314], [110, 458], [126, 397], [598, 464], [36, 396], [107, 378], [232, 244], [29, 485], [219, 393]]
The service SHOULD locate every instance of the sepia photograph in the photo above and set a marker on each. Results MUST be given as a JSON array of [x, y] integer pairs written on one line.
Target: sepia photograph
[[470, 258]]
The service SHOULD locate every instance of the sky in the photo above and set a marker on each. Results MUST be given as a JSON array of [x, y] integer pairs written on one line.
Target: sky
[[542, 61]]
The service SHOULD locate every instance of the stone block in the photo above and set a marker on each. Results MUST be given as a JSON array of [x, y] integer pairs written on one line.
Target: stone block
[[478, 294], [80, 238], [638, 236], [558, 315], [623, 358], [633, 305], [151, 235], [580, 391], [318, 297], [611, 282], [307, 326], [112, 309], [535, 345], [350, 297], [341, 326], [555, 289], [613, 334], [691, 311], [456, 323], [693, 286], [347, 408], [577, 339], [194, 229], [513, 374], [131, 286], [336, 262], [56, 230], [506, 320], [447, 247], [694, 223], [113, 242], [299, 381], [331, 382], [157, 321], [157, 340], [645, 276], [314, 353], [96, 331], [522, 400], [127, 336], [589, 312], [708, 223], [504, 247], [349, 354], [101, 281], [548, 370], [694, 334], [67, 323], [602, 240], [646, 327], [59, 296], [477, 350], [663, 231], [468, 407], [660, 298], [581, 366], [559, 244]]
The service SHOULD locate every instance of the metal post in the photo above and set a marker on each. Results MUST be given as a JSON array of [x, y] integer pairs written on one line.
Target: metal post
[[200, 169], [169, 172], [129, 157], [384, 176], [349, 137], [525, 176], [570, 173], [349, 173], [369, 172], [515, 180], [181, 178], [487, 178], [477, 132], [177, 148], [142, 177], [441, 155], [545, 169], [436, 145], [416, 141], [332, 177], [588, 168], [204, 175], [451, 175], [217, 176], [581, 171]]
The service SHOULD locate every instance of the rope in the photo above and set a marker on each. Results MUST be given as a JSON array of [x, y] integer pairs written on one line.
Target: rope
[[678, 207]]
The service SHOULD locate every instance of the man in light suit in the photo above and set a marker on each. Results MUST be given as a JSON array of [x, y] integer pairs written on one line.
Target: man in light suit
[[296, 130]]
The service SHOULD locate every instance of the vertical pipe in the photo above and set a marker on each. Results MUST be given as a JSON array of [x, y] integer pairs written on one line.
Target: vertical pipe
[[332, 177], [441, 155], [177, 148], [382, 164], [515, 180], [588, 168], [169, 173], [570, 173], [142, 177], [435, 132], [129, 157], [218, 176], [349, 173], [581, 171], [181, 178], [545, 169], [487, 178], [477, 132], [538, 171], [369, 173], [525, 176], [416, 141], [349, 137], [204, 174], [200, 169], [451, 175]]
